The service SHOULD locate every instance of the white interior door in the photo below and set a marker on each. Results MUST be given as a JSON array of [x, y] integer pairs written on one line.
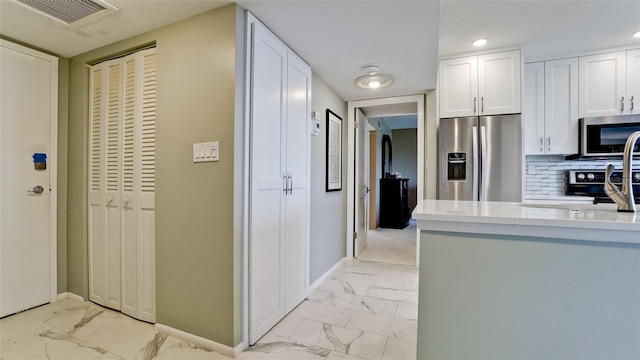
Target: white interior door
[[362, 183], [28, 96]]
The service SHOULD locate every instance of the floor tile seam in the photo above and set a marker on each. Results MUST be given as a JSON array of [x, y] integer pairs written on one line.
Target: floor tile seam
[[327, 348], [333, 325], [338, 352], [386, 342], [390, 317]]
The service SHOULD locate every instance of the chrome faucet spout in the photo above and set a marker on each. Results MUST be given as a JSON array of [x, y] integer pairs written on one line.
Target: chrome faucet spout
[[624, 198]]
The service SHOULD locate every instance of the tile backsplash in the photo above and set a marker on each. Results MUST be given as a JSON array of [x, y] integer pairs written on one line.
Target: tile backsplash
[[546, 174]]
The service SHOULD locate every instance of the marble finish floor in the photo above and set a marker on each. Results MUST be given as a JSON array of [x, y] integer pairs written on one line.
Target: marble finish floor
[[364, 310], [391, 245]]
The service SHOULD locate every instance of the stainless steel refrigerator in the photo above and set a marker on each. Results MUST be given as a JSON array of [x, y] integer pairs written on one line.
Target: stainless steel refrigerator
[[480, 158]]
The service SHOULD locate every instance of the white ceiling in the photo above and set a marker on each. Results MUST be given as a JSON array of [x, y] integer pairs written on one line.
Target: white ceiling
[[405, 38]]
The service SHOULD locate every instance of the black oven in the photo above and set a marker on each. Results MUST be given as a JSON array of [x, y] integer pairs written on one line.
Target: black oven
[[607, 135]]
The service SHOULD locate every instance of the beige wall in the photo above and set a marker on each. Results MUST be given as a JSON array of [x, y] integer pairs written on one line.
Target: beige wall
[[405, 159], [197, 247], [328, 209]]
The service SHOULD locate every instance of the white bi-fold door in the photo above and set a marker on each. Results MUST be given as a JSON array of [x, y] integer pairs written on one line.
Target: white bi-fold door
[[122, 184], [279, 177]]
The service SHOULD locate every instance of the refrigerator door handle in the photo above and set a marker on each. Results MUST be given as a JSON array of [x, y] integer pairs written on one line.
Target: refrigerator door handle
[[474, 145], [483, 163]]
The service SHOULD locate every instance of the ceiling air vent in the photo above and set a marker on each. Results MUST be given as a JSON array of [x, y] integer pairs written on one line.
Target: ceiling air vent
[[70, 12]]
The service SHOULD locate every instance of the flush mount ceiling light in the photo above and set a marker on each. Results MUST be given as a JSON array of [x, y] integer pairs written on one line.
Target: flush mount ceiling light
[[480, 42], [636, 34], [70, 12], [373, 79]]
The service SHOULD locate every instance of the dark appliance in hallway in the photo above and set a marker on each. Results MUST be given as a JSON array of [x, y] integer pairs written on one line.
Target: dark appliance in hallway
[[394, 192]]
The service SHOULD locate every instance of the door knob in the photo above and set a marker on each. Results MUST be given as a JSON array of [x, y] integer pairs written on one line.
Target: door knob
[[36, 190]]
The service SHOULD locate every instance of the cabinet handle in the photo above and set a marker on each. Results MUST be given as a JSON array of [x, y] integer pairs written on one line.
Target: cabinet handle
[[285, 183], [631, 103], [475, 101], [541, 144], [290, 184], [482, 104], [549, 143], [622, 103]]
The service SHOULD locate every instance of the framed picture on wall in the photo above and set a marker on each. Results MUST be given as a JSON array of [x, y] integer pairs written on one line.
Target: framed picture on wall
[[334, 152]]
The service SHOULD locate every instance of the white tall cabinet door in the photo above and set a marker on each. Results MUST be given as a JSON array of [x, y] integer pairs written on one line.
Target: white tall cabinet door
[[28, 118], [533, 109], [458, 87], [499, 83], [298, 200], [633, 81], [602, 84], [279, 200], [561, 106], [268, 182]]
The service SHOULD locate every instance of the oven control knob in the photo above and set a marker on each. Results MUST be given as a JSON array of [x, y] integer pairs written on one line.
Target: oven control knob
[[580, 176], [636, 177], [590, 176]]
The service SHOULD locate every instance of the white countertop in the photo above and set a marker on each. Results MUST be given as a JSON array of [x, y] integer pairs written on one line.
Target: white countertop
[[600, 223]]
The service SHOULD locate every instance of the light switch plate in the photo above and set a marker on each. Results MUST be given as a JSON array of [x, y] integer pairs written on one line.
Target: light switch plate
[[206, 152]]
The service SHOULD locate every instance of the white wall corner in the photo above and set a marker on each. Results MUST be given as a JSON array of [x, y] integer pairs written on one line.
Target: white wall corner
[[324, 276], [197, 340], [70, 296]]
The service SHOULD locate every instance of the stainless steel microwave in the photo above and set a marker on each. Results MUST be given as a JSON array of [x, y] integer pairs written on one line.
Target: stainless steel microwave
[[607, 135]]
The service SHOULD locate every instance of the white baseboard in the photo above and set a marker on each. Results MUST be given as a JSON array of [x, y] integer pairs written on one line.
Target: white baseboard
[[324, 276], [197, 340], [70, 296]]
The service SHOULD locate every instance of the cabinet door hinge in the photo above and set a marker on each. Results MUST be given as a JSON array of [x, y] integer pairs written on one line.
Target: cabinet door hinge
[[355, 124], [355, 235]]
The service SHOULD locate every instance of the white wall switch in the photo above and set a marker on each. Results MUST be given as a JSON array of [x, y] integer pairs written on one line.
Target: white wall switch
[[204, 152]]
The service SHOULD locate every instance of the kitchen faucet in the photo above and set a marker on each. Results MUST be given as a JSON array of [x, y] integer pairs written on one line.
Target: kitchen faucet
[[624, 198]]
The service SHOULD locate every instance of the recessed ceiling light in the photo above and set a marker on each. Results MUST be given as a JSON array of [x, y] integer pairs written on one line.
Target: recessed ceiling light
[[479, 42], [637, 34]]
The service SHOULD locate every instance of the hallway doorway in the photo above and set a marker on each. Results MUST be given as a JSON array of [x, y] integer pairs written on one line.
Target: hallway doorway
[[384, 244]]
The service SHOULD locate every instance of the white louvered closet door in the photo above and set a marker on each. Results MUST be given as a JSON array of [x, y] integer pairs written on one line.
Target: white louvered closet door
[[122, 184]]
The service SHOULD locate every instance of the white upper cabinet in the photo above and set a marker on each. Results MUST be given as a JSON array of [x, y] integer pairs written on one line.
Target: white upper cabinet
[[603, 84], [480, 85], [561, 106], [550, 111], [633, 81], [499, 83], [458, 87]]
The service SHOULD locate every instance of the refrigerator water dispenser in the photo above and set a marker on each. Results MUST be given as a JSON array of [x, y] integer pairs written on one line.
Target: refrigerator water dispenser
[[456, 166]]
